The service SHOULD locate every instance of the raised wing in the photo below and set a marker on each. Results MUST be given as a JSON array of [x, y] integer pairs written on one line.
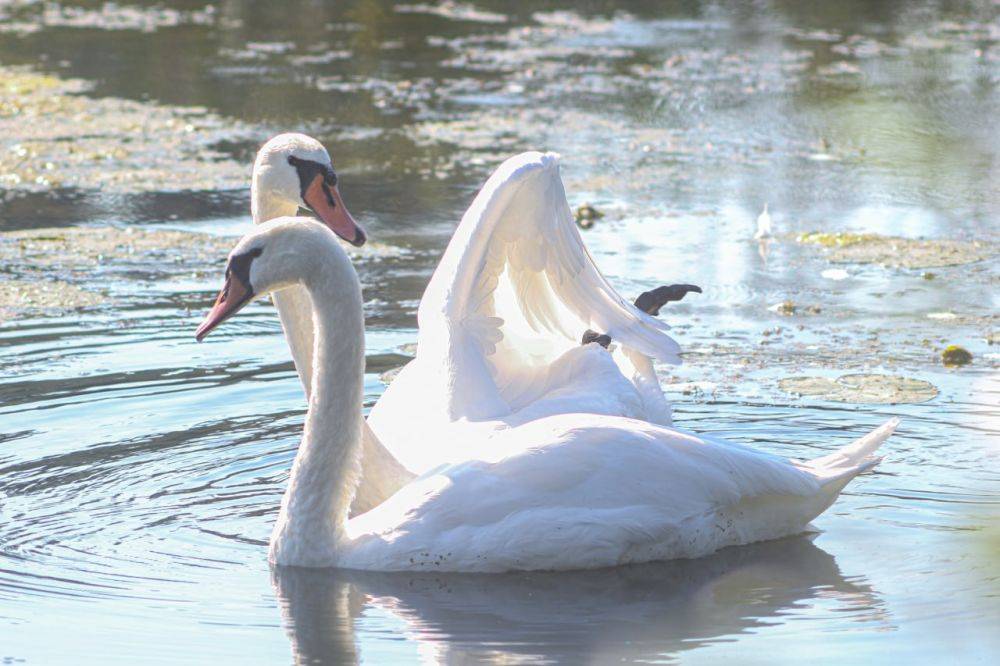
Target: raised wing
[[516, 288]]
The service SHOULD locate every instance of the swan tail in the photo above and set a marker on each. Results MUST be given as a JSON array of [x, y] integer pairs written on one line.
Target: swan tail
[[857, 457]]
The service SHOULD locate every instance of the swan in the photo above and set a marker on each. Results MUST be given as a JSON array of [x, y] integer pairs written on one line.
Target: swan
[[500, 324], [293, 171], [570, 491]]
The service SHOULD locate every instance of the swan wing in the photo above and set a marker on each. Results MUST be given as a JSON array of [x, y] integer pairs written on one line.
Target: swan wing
[[516, 288]]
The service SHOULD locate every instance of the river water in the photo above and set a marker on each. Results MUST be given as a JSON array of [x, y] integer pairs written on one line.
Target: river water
[[140, 473]]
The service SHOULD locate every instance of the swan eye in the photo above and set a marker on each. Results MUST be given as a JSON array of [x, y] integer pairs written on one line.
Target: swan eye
[[308, 170], [256, 252]]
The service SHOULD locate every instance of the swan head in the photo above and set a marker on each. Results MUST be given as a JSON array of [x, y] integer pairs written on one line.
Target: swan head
[[296, 169], [277, 254]]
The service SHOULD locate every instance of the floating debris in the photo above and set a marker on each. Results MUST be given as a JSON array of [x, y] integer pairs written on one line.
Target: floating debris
[[388, 376], [942, 316], [854, 248], [835, 274], [954, 355], [455, 11], [786, 308], [763, 225], [789, 308], [862, 389], [586, 215], [697, 389]]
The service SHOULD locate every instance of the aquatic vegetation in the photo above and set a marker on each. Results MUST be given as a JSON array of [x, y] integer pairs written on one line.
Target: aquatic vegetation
[[684, 118], [388, 376], [956, 355], [86, 247], [862, 388], [836, 239], [789, 308], [54, 136], [866, 248], [29, 17], [21, 297], [586, 215], [456, 11], [85, 258]]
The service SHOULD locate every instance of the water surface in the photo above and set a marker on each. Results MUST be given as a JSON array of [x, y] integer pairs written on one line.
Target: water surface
[[141, 473]]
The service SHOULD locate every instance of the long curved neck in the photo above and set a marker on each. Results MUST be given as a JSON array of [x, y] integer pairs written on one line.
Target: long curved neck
[[264, 207], [293, 304], [327, 468]]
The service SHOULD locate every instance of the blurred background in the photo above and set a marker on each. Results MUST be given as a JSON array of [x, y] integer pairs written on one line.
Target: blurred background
[[140, 473]]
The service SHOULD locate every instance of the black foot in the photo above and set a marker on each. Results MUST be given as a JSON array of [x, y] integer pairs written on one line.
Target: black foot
[[602, 339], [650, 302]]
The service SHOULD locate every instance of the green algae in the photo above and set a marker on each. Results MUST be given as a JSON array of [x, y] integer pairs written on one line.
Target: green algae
[[857, 248], [954, 355], [837, 239]]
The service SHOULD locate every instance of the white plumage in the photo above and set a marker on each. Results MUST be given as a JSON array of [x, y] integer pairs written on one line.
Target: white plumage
[[559, 492], [763, 225], [581, 491], [501, 320]]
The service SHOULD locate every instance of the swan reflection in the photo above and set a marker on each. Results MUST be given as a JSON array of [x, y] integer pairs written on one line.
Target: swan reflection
[[634, 612]]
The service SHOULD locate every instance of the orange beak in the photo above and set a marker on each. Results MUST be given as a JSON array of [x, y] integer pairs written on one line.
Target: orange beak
[[234, 295], [325, 201]]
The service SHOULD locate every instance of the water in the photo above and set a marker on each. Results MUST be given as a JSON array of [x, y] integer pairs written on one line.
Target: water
[[140, 472]]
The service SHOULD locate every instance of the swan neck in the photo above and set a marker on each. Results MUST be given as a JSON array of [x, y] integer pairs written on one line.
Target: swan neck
[[265, 206], [293, 304], [327, 468]]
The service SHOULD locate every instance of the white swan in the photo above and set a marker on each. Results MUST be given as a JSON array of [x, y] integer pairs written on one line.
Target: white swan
[[564, 492], [293, 171], [500, 322]]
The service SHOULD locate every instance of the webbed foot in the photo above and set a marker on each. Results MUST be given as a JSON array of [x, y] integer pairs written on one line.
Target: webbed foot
[[650, 302], [602, 339]]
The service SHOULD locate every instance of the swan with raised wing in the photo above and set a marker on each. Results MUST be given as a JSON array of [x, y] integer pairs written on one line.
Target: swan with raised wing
[[562, 492], [500, 324]]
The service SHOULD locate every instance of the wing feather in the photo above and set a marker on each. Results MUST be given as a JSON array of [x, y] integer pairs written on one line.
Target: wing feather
[[516, 286]]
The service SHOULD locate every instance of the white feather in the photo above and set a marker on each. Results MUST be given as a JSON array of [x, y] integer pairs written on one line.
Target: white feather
[[763, 225], [501, 323], [557, 492]]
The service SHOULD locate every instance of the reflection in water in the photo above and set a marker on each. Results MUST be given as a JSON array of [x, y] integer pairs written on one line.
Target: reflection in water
[[631, 613]]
